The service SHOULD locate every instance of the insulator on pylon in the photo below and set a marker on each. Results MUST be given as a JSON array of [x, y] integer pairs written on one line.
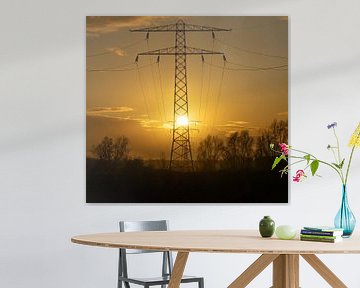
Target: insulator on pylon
[[137, 59], [213, 34], [158, 59], [147, 35], [202, 58], [224, 58]]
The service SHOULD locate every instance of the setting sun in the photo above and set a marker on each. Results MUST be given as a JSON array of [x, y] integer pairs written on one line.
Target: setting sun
[[182, 121]]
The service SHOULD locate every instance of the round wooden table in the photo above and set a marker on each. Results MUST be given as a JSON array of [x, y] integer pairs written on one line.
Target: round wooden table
[[284, 254]]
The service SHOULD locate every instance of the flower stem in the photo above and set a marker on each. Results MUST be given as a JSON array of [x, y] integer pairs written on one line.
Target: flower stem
[[333, 152], [338, 149], [296, 150], [313, 158], [323, 162], [296, 162], [348, 168], [338, 145]]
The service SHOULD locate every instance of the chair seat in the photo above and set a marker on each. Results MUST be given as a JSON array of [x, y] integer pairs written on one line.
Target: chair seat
[[158, 280]]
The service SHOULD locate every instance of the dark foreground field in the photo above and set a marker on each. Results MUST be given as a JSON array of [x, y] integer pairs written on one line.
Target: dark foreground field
[[134, 182]]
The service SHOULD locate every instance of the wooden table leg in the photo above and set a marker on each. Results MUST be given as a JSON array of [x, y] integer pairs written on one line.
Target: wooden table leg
[[253, 270], [286, 271], [324, 271], [293, 261], [178, 269]]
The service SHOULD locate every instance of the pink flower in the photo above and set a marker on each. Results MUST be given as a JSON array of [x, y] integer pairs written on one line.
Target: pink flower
[[300, 175], [284, 148]]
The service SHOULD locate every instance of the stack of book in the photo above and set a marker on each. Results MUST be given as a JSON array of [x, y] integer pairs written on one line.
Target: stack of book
[[321, 234]]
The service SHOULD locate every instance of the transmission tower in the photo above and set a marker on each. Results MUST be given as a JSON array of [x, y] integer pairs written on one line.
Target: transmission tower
[[181, 155]]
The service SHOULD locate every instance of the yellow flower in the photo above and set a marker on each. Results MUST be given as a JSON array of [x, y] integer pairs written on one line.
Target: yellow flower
[[355, 138]]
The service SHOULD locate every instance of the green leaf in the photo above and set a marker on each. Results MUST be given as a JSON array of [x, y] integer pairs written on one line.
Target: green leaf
[[342, 163], [277, 160], [307, 157], [271, 146], [336, 165], [314, 166], [339, 166]]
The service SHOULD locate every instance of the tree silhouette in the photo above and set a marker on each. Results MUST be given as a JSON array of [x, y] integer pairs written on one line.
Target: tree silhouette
[[104, 150], [239, 149], [107, 149], [120, 148], [276, 133], [210, 152]]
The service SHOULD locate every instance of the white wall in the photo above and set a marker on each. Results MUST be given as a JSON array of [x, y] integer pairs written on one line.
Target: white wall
[[42, 142]]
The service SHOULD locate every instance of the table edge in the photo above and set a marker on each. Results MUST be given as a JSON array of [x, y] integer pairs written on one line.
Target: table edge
[[203, 250]]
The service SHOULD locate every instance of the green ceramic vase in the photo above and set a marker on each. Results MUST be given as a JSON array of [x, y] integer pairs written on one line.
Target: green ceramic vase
[[266, 227]]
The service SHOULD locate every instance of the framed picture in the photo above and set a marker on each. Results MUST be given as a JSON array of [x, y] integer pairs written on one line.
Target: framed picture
[[184, 109]]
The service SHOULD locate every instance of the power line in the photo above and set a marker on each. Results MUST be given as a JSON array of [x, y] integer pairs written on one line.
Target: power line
[[219, 94], [143, 92], [255, 67], [123, 66], [202, 84], [142, 88], [154, 85], [161, 89], [251, 68], [120, 69], [252, 51], [112, 51], [208, 94]]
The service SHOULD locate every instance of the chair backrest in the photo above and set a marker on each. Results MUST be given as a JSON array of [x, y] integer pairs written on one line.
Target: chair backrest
[[137, 226], [133, 226]]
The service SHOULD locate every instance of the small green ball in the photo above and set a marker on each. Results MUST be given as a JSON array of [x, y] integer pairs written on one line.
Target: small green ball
[[285, 232]]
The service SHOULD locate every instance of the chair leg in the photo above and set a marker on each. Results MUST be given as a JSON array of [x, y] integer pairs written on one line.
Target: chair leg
[[201, 283]]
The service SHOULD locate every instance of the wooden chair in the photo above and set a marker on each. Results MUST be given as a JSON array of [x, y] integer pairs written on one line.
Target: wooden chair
[[167, 262]]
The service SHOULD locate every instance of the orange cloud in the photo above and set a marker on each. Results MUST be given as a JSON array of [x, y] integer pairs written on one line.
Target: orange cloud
[[96, 25], [283, 114], [117, 51], [109, 112], [122, 113]]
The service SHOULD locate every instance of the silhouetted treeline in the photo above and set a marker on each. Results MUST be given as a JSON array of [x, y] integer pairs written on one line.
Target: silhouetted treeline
[[235, 169], [108, 149], [240, 150]]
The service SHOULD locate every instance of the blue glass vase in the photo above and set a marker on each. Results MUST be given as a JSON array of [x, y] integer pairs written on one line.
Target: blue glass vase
[[345, 219]]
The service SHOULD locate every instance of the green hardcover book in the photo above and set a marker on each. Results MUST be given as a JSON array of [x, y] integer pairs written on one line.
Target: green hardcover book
[[319, 236], [336, 240]]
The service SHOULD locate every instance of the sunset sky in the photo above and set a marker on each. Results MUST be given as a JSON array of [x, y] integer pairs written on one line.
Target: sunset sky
[[247, 94]]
